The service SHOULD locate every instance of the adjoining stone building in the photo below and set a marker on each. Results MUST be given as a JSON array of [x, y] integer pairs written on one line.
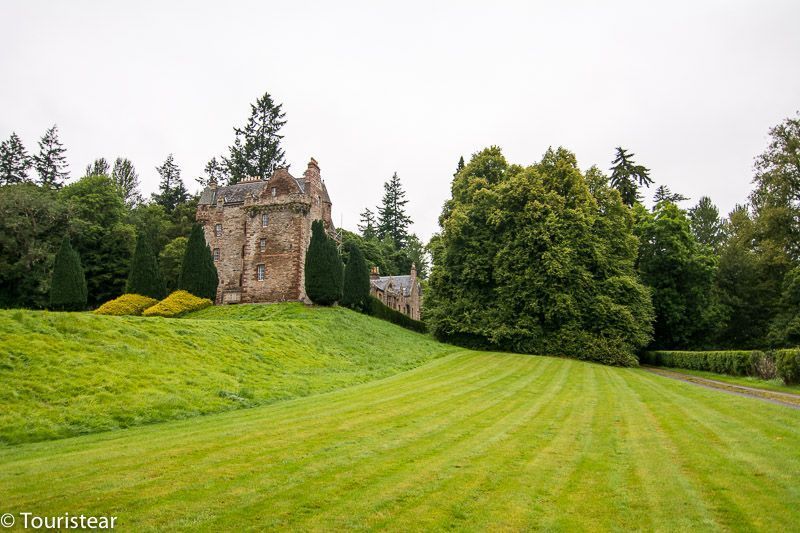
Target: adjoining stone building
[[259, 230], [401, 293]]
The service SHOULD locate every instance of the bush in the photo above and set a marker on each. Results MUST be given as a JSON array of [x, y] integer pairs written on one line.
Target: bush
[[176, 304], [355, 293], [145, 277], [323, 268], [378, 309], [787, 363], [198, 273], [127, 304], [735, 363], [68, 285]]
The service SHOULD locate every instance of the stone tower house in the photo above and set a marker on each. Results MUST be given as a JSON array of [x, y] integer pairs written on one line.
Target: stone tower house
[[259, 230]]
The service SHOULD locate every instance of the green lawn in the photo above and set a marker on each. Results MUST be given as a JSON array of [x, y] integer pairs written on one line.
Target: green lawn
[[471, 441], [65, 374]]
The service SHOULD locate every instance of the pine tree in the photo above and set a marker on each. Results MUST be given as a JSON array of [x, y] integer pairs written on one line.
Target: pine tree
[[68, 285], [460, 166], [50, 162], [355, 290], [98, 167], [627, 176], [215, 171], [323, 268], [706, 223], [199, 275], [368, 224], [145, 277], [171, 190], [14, 161], [257, 151], [126, 178], [663, 194], [392, 218]]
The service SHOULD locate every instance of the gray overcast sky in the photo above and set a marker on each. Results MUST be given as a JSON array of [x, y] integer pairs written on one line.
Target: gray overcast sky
[[370, 88]]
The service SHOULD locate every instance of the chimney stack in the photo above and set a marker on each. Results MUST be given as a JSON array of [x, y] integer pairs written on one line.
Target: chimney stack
[[374, 274]]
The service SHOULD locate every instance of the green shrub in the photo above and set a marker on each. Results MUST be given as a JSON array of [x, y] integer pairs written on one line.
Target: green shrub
[[324, 272], [735, 363], [176, 304], [355, 293], [379, 310], [145, 277], [127, 304], [68, 285], [198, 273], [787, 363]]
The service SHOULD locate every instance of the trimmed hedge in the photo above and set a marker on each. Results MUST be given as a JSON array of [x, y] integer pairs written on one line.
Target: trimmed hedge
[[127, 304], [380, 310], [787, 363], [732, 362], [176, 304]]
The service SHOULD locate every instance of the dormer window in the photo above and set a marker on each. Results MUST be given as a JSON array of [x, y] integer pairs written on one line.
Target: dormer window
[[264, 219]]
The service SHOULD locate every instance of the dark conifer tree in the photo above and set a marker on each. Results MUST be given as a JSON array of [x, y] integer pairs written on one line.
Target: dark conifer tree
[[68, 284], [50, 162], [323, 268], [145, 276], [368, 224], [215, 171], [663, 194], [171, 190], [392, 219], [98, 167], [198, 275], [14, 161], [126, 178], [257, 151], [706, 223], [627, 176], [460, 165], [355, 291]]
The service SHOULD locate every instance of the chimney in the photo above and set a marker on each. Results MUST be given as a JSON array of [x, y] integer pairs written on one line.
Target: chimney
[[212, 183], [374, 274], [413, 273], [311, 175]]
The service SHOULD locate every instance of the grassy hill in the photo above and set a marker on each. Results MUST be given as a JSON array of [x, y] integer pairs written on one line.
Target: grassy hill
[[468, 442], [64, 374]]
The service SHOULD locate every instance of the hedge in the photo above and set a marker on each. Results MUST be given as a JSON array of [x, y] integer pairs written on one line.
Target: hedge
[[127, 304], [784, 364], [378, 309], [787, 363], [176, 304]]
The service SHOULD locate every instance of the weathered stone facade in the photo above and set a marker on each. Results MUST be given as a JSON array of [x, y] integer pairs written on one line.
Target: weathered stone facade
[[401, 293], [258, 231]]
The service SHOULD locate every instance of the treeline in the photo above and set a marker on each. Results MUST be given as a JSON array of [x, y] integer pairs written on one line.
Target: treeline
[[549, 259]]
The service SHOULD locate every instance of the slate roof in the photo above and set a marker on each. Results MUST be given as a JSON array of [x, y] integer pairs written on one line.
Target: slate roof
[[235, 194], [401, 283]]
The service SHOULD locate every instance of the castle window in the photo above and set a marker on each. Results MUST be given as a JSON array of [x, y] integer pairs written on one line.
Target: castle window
[[216, 254], [262, 245], [261, 272], [264, 219], [218, 229], [274, 192]]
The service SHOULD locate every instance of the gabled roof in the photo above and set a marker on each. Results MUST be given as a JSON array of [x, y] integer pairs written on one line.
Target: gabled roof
[[401, 284], [236, 194]]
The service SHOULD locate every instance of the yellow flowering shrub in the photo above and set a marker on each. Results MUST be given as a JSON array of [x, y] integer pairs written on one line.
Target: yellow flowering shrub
[[176, 304], [127, 304]]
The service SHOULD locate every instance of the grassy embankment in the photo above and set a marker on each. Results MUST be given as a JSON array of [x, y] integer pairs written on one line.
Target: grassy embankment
[[64, 374], [471, 441]]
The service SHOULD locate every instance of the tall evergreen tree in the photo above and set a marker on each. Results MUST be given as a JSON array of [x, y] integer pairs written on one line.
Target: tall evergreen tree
[[68, 285], [663, 194], [215, 171], [256, 150], [323, 268], [627, 176], [460, 165], [706, 224], [355, 291], [145, 277], [50, 162], [199, 275], [14, 161], [171, 190], [368, 225], [392, 218], [126, 178], [98, 167]]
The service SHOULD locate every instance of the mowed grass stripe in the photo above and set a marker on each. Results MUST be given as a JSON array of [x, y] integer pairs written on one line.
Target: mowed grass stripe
[[473, 441]]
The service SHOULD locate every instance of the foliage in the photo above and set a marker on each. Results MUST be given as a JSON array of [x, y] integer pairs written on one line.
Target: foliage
[[256, 150], [176, 304], [198, 273], [392, 219], [323, 268], [170, 261], [378, 309], [51, 163], [33, 222], [100, 235], [530, 260], [732, 362], [68, 285], [145, 277], [368, 226], [627, 176], [788, 365], [14, 161], [355, 288], [460, 166], [126, 178], [663, 194], [98, 167], [681, 276], [707, 227], [126, 305], [171, 190]]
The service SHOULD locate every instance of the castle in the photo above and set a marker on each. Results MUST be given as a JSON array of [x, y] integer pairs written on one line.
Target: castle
[[258, 232]]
